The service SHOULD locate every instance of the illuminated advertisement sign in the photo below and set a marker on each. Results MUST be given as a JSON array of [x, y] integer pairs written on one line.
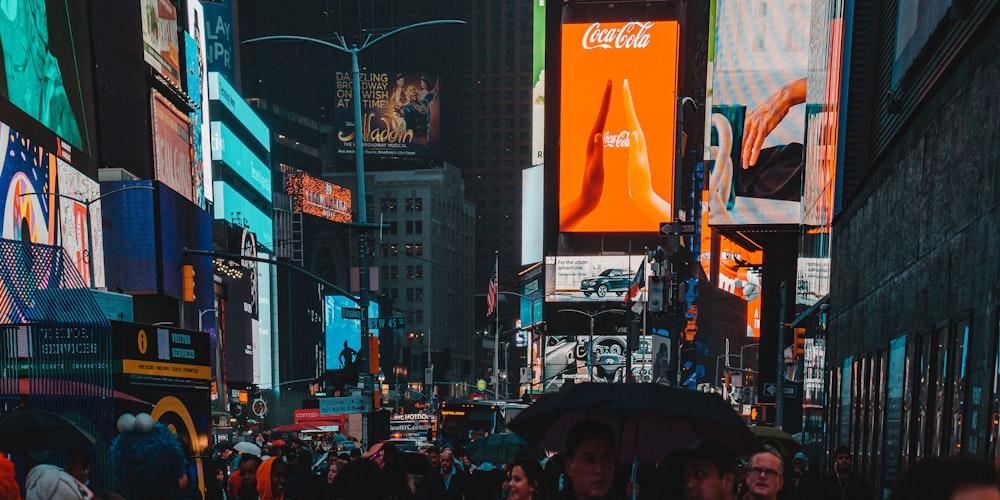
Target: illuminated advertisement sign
[[756, 126], [197, 70], [400, 114], [229, 201], [591, 278], [618, 126], [739, 274], [159, 38], [219, 38], [47, 66], [27, 170], [220, 90], [320, 198], [343, 334], [229, 149], [172, 146], [77, 191], [161, 351], [538, 84]]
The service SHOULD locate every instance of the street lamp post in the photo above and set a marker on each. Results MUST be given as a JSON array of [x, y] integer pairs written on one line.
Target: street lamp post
[[90, 235], [590, 343], [359, 159], [531, 363]]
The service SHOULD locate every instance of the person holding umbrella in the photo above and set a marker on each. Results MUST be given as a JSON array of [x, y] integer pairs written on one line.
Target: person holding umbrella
[[590, 461]]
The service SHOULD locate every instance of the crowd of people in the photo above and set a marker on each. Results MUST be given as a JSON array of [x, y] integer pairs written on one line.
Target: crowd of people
[[147, 464]]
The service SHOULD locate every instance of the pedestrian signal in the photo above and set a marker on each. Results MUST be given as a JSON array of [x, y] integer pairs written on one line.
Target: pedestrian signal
[[187, 283]]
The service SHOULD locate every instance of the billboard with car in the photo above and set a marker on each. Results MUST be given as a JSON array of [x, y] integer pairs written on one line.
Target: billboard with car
[[590, 278]]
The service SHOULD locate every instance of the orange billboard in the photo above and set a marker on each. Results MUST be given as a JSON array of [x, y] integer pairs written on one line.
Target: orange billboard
[[618, 101]]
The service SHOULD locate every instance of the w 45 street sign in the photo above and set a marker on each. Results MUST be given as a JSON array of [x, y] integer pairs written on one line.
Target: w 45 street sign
[[388, 322]]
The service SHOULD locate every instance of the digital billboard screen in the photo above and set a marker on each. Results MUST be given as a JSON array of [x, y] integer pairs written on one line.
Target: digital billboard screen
[[27, 168], [75, 207], [618, 127], [47, 66], [400, 114], [591, 278], [197, 79], [756, 121], [342, 333], [172, 146], [159, 38], [320, 198]]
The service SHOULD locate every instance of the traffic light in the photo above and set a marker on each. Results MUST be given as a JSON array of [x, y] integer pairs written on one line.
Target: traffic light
[[187, 280], [373, 361], [799, 343]]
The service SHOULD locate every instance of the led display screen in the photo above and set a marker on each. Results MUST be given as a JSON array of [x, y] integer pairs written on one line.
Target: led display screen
[[219, 38], [756, 121], [159, 38], [229, 203], [229, 149], [340, 331], [219, 89], [76, 205], [618, 126], [320, 198], [28, 172], [400, 114], [591, 278], [197, 88], [172, 146]]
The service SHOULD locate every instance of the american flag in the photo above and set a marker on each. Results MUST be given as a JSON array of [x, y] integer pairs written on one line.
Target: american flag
[[491, 294]]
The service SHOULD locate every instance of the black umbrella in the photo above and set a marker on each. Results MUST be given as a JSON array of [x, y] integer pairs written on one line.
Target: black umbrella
[[497, 449], [649, 420], [28, 429]]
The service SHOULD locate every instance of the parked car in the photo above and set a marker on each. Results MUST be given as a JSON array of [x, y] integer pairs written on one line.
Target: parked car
[[409, 445], [610, 280]]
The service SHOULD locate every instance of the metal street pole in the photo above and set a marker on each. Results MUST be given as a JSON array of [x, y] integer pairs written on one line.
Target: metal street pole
[[779, 403], [590, 343], [531, 331], [359, 160], [90, 234]]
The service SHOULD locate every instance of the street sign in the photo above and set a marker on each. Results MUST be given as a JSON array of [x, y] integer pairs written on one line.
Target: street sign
[[342, 406], [387, 322], [772, 389], [672, 228], [350, 312]]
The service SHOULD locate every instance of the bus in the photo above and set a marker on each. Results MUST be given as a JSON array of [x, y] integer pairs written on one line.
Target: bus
[[461, 422]]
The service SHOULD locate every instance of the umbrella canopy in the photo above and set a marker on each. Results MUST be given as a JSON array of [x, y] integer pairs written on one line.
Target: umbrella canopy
[[496, 449], [296, 427], [786, 443], [27, 429], [649, 420], [247, 447]]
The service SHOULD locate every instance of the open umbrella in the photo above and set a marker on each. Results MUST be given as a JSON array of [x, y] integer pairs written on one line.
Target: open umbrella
[[649, 420], [247, 447], [28, 429], [786, 444], [501, 448]]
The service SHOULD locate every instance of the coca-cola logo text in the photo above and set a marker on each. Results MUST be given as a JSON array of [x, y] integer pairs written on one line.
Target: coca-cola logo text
[[619, 140], [634, 35]]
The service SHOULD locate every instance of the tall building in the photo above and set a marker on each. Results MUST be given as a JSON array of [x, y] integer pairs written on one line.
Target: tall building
[[423, 255]]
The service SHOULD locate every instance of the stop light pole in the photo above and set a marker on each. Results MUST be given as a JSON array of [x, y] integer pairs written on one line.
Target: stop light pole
[[359, 161]]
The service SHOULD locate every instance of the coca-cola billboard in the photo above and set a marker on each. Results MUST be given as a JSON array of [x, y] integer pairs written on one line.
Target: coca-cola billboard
[[618, 125]]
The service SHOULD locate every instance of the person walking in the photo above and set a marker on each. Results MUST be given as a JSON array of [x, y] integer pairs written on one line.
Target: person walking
[[447, 482], [843, 484], [709, 472], [765, 476]]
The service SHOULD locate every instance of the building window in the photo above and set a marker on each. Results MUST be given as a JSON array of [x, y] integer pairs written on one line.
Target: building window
[[418, 249], [418, 272], [388, 204], [394, 272], [409, 249], [414, 204], [409, 294], [393, 249], [384, 252]]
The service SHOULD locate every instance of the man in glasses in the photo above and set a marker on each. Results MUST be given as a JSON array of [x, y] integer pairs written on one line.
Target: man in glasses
[[766, 476]]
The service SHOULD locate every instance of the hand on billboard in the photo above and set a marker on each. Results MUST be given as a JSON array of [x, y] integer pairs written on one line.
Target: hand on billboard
[[640, 181], [765, 117], [593, 171]]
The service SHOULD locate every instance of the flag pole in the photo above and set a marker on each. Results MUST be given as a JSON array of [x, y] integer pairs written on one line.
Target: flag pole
[[496, 331]]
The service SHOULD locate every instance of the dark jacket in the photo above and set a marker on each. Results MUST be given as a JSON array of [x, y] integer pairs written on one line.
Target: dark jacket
[[434, 488], [854, 488]]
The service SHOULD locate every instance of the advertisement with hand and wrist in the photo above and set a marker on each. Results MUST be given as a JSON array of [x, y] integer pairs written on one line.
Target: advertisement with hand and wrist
[[618, 125]]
